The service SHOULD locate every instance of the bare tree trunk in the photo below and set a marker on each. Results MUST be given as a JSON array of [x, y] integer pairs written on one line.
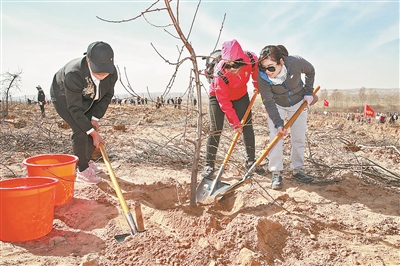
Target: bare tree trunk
[[197, 142], [13, 80], [193, 58]]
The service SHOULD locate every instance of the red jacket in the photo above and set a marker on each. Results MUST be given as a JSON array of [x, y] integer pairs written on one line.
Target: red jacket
[[237, 82]]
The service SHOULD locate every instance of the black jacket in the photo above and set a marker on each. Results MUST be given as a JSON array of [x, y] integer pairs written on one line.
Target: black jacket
[[41, 97], [74, 88]]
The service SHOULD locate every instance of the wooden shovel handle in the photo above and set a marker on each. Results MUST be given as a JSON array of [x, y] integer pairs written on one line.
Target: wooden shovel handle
[[235, 139], [286, 126], [114, 181]]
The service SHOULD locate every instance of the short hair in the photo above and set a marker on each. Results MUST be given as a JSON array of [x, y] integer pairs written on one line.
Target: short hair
[[271, 51], [283, 49]]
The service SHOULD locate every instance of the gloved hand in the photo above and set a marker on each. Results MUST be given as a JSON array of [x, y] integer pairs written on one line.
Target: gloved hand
[[238, 128], [308, 99], [282, 130]]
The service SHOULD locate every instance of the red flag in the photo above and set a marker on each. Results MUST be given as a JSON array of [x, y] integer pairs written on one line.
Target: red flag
[[368, 111], [326, 103]]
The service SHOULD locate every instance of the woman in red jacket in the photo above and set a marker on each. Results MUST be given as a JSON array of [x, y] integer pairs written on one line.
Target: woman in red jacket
[[229, 97]]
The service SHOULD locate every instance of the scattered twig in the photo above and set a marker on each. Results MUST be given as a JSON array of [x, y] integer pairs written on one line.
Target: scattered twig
[[5, 166]]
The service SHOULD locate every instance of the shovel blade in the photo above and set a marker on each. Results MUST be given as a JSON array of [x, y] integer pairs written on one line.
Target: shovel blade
[[205, 190], [219, 194], [121, 238]]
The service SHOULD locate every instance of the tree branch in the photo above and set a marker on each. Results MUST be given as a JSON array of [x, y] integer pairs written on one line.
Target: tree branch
[[148, 10]]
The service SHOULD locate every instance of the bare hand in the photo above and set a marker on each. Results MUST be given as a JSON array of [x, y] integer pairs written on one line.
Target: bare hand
[[96, 139]]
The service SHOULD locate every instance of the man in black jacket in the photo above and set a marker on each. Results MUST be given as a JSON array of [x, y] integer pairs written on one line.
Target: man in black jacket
[[41, 99], [81, 92]]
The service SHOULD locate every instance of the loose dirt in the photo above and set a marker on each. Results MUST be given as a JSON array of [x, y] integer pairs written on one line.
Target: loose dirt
[[350, 214]]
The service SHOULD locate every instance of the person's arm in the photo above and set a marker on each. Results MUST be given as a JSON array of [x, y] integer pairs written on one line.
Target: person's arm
[[308, 69], [222, 94], [269, 102], [254, 73], [97, 139], [74, 86]]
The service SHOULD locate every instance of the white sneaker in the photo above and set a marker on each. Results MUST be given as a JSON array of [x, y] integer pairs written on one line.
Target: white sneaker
[[96, 169], [88, 176]]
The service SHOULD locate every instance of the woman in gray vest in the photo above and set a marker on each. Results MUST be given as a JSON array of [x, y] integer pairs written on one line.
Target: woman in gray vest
[[283, 92]]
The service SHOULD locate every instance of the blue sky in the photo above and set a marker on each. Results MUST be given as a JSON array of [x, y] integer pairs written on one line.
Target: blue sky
[[352, 44]]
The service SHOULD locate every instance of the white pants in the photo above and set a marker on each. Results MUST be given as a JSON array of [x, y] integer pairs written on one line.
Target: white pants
[[297, 139]]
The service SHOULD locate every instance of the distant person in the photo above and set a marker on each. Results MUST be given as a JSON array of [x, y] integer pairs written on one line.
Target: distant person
[[382, 118], [158, 103], [179, 102], [283, 92], [176, 102], [393, 118], [41, 99], [229, 97], [81, 92]]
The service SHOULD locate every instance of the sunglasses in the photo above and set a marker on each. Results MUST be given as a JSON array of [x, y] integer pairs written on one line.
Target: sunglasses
[[236, 64], [263, 68]]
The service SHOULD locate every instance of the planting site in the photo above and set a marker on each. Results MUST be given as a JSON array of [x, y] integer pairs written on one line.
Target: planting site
[[349, 214]]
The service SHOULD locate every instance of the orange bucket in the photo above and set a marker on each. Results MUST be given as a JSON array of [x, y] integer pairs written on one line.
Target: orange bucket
[[27, 208], [60, 166]]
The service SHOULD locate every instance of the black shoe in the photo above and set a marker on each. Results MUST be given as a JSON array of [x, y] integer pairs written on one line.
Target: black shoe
[[276, 183], [301, 177], [259, 169], [208, 172]]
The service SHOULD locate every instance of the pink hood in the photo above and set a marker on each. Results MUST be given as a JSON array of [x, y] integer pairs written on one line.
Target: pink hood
[[231, 50]]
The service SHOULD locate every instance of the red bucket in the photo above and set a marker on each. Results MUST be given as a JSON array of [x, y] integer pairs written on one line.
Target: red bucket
[[60, 166], [27, 208]]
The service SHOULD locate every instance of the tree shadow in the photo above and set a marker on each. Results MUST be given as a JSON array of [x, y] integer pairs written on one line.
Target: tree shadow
[[158, 195], [85, 214], [62, 243]]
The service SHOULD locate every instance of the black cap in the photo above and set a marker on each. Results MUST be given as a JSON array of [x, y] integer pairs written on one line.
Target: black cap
[[101, 57]]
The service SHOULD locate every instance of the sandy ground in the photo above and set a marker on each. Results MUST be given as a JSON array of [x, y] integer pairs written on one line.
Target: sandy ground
[[350, 214]]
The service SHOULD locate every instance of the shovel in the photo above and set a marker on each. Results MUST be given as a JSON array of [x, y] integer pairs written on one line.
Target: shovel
[[208, 186], [124, 206], [225, 190]]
